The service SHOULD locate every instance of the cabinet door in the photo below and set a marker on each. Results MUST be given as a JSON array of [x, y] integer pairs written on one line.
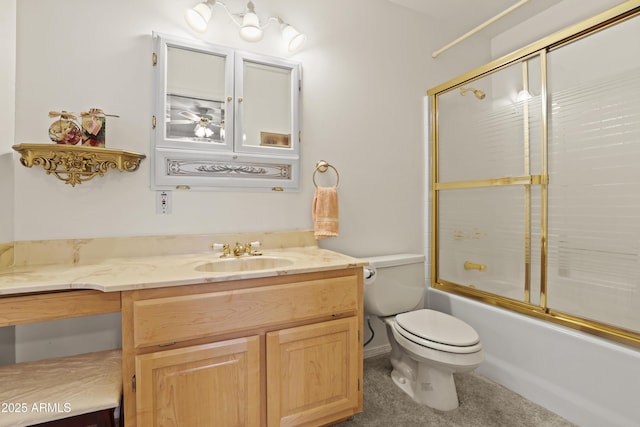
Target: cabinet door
[[211, 385], [313, 373], [267, 101], [194, 84]]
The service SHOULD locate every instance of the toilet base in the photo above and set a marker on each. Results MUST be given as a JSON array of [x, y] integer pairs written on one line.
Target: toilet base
[[427, 385], [427, 375]]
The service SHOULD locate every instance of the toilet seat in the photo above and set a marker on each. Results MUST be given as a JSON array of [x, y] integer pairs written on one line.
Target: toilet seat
[[437, 330]]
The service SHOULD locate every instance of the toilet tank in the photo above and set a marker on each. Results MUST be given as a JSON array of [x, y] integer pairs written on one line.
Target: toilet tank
[[397, 285]]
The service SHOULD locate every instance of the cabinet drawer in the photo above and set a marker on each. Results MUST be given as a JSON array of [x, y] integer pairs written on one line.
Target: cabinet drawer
[[179, 318]]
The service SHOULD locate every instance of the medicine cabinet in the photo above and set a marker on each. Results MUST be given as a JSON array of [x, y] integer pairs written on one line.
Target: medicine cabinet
[[224, 119]]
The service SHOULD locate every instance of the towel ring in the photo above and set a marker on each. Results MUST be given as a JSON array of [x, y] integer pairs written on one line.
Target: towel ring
[[322, 167]]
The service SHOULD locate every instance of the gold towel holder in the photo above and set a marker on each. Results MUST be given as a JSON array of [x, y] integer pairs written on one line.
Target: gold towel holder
[[322, 166]]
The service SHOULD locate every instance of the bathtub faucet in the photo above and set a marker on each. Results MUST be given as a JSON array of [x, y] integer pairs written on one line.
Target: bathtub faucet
[[468, 265]]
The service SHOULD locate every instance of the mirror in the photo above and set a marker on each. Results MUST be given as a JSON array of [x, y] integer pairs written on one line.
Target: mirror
[[264, 118], [229, 118], [192, 82], [195, 96]]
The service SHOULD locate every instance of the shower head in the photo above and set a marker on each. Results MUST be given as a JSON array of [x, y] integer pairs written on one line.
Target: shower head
[[477, 92]]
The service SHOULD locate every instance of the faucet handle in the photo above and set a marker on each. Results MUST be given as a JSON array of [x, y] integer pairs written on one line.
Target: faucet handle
[[249, 248], [222, 247]]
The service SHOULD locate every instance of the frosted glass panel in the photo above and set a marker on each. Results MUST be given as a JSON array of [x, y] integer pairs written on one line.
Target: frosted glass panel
[[484, 226], [482, 126], [594, 178]]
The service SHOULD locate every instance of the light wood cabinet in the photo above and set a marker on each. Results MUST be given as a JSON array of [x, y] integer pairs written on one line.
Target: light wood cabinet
[[310, 373], [205, 385], [277, 351]]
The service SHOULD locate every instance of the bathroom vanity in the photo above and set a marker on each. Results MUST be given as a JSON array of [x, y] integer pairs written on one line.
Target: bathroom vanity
[[285, 349], [275, 342]]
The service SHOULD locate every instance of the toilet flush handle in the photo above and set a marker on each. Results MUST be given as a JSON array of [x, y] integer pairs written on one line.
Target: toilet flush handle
[[369, 272]]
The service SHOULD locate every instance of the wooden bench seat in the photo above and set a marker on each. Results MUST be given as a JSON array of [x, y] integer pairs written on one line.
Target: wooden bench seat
[[78, 390]]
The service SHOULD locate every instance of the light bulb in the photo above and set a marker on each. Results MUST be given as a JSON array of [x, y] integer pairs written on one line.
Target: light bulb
[[292, 38], [250, 30], [198, 17]]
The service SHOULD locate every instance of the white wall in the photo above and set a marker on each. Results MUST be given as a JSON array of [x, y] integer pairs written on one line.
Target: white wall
[[556, 18], [362, 110], [67, 336], [7, 100], [7, 115]]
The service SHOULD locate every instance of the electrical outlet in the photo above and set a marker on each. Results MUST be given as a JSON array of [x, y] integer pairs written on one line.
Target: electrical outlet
[[163, 202]]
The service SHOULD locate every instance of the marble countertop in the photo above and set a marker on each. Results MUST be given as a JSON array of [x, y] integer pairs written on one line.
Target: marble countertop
[[129, 273]]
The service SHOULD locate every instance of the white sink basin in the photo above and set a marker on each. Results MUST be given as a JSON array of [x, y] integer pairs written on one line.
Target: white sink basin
[[226, 265]]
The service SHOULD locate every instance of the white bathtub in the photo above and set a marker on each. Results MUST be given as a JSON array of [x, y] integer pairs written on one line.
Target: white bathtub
[[588, 380]]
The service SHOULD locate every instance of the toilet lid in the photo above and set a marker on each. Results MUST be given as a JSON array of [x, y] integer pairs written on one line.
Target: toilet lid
[[437, 327]]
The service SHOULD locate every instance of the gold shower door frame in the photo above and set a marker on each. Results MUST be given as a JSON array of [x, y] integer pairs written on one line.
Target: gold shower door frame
[[539, 49]]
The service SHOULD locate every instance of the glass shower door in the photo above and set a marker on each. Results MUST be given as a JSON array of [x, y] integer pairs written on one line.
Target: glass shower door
[[488, 170], [594, 178]]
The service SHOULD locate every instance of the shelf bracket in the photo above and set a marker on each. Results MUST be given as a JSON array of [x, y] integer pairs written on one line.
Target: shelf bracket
[[77, 164]]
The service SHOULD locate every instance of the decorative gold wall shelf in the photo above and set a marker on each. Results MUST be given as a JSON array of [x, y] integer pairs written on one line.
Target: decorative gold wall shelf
[[77, 164]]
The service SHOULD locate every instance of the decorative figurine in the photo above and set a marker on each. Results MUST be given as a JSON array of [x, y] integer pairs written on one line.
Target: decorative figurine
[[94, 127], [65, 130]]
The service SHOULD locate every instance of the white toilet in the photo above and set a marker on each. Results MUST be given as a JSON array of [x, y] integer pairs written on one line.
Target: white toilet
[[427, 346]]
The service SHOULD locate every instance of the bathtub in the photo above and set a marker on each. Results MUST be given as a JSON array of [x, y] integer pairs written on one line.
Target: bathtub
[[588, 380]]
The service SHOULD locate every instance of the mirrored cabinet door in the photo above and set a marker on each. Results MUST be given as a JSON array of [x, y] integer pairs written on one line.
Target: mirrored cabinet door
[[266, 105], [196, 88]]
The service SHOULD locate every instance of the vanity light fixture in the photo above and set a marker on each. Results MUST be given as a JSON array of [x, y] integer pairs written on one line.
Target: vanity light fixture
[[248, 22], [250, 29], [293, 39], [198, 17]]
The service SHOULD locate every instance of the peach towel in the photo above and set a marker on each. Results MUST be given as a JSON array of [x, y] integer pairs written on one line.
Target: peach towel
[[325, 212]]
